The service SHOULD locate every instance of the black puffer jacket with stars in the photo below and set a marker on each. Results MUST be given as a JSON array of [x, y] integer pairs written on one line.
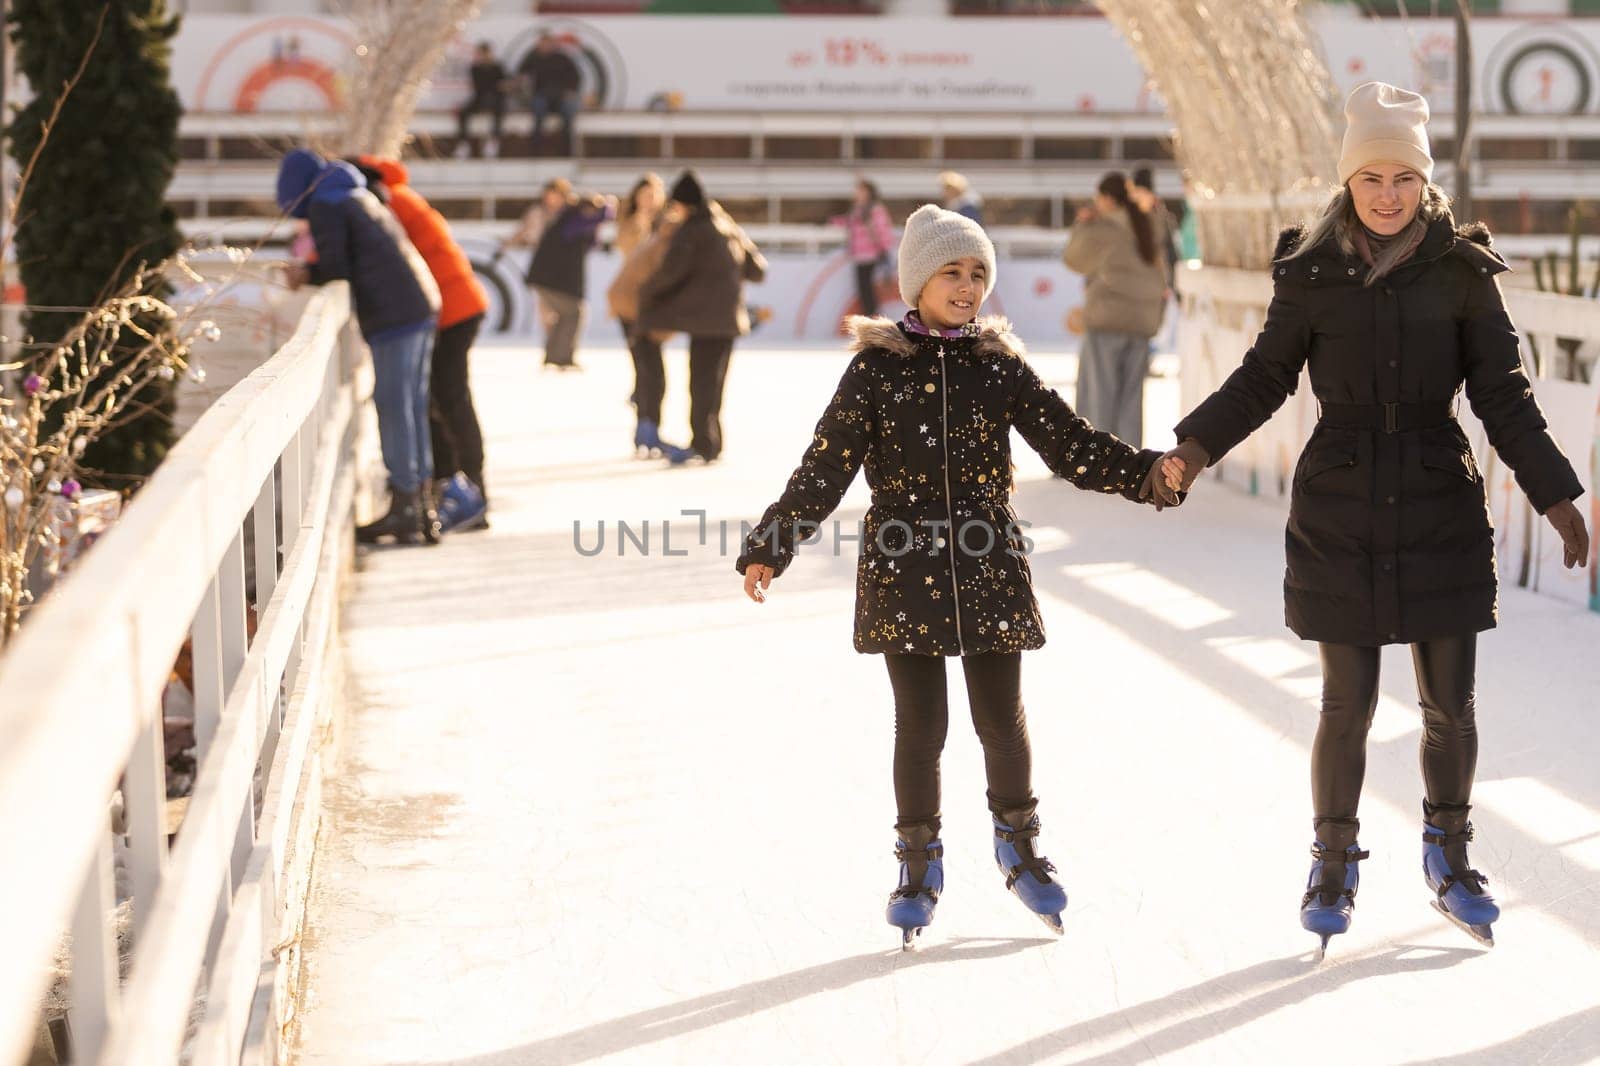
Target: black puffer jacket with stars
[[943, 567]]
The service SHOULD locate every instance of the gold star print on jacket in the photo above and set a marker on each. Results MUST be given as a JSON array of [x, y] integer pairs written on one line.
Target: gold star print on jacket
[[943, 568]]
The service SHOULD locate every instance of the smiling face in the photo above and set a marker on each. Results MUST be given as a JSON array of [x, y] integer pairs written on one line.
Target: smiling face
[[951, 297], [1386, 197]]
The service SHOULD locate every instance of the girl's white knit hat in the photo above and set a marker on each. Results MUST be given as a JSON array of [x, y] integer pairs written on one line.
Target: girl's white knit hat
[[1386, 125], [934, 237]]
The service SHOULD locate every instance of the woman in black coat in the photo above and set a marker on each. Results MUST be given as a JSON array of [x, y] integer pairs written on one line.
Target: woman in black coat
[[927, 406], [1394, 309]]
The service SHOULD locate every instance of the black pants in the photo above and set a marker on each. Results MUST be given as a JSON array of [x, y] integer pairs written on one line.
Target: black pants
[[452, 420], [1445, 679], [494, 104], [922, 719], [708, 373], [649, 374], [866, 293]]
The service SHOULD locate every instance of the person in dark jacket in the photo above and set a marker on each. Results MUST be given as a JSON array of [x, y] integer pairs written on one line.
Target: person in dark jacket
[[557, 270], [488, 94], [1143, 191], [699, 289], [358, 240], [927, 406], [553, 82], [1395, 309]]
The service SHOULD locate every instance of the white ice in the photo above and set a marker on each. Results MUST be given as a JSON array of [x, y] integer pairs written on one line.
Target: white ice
[[607, 810]]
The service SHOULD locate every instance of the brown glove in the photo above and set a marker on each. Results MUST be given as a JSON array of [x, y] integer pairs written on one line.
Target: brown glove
[[1183, 464], [1156, 490], [1568, 521]]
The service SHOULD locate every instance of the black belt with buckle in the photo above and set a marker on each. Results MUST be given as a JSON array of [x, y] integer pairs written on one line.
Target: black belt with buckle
[[1388, 417]]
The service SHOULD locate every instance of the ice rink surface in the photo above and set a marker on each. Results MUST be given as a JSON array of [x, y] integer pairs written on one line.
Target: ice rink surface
[[604, 809]]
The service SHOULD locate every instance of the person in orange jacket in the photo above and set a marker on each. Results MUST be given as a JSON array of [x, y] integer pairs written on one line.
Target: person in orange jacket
[[457, 437]]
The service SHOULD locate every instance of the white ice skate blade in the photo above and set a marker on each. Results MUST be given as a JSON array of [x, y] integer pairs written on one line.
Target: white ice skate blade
[[1483, 934]]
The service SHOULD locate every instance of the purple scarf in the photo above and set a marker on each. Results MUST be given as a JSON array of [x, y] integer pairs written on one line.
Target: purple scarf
[[912, 323]]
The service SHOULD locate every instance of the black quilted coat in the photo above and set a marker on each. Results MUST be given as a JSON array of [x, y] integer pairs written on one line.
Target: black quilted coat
[[1389, 537], [943, 567]]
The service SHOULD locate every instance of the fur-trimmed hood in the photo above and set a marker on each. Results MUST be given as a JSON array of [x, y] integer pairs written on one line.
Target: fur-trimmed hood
[[994, 337]]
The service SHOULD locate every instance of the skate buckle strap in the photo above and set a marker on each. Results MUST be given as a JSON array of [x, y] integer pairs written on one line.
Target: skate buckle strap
[[1327, 897], [1034, 865], [1322, 853], [1011, 836], [1442, 839], [902, 852], [1472, 879], [913, 891]]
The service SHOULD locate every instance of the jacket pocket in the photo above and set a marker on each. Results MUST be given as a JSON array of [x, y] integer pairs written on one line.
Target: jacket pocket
[[1329, 453], [1442, 452]]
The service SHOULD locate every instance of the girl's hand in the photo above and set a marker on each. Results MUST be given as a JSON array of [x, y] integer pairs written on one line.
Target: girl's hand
[[1183, 464], [756, 579], [1173, 470]]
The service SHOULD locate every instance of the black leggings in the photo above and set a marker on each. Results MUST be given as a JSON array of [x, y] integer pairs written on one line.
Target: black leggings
[[452, 420], [866, 291], [922, 719], [1445, 671]]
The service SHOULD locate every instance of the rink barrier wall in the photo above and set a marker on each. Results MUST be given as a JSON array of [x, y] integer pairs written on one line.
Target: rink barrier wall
[[1223, 312], [212, 923]]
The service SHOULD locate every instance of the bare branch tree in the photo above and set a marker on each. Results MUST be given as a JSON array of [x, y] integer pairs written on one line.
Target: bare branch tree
[[1257, 113], [402, 42]]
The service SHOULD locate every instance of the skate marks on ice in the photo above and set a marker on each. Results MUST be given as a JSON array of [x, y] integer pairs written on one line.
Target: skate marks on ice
[[1551, 751], [1202, 1012], [641, 1029]]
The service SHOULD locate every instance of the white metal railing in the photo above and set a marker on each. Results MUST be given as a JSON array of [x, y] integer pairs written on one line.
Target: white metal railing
[[80, 698], [1223, 311]]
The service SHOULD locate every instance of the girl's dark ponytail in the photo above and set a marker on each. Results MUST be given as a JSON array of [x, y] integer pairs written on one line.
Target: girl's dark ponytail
[[1115, 187]]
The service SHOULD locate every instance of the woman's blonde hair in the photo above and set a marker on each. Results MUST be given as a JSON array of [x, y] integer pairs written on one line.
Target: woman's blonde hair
[[1340, 221]]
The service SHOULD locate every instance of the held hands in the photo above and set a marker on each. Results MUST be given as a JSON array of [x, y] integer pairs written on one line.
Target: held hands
[[1182, 465], [1155, 485], [1568, 521], [756, 579]]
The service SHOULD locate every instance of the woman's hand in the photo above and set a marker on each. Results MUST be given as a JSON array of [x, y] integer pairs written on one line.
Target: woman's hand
[[1568, 521], [756, 579]]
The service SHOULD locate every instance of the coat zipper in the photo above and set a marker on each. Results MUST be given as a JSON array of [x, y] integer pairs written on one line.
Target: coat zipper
[[949, 511]]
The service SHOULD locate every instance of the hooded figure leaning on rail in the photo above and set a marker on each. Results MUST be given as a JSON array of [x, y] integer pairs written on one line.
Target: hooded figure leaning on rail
[[396, 306]]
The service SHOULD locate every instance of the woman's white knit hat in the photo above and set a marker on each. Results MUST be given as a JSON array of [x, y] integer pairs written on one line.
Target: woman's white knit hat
[[934, 237], [1386, 125]]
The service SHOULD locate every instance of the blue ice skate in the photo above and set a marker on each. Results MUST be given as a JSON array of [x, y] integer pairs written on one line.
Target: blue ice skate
[[1457, 887], [911, 905], [1027, 873], [647, 443], [462, 506], [1330, 896]]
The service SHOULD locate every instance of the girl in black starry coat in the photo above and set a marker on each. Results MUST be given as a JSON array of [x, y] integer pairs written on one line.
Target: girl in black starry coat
[[927, 406]]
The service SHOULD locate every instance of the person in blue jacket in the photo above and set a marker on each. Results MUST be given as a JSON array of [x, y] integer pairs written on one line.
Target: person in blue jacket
[[396, 305]]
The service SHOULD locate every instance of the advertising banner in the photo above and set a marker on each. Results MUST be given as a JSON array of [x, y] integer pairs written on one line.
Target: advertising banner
[[242, 64]]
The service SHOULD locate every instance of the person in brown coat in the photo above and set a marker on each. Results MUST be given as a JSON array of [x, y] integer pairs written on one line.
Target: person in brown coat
[[643, 233], [1117, 247], [699, 289]]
